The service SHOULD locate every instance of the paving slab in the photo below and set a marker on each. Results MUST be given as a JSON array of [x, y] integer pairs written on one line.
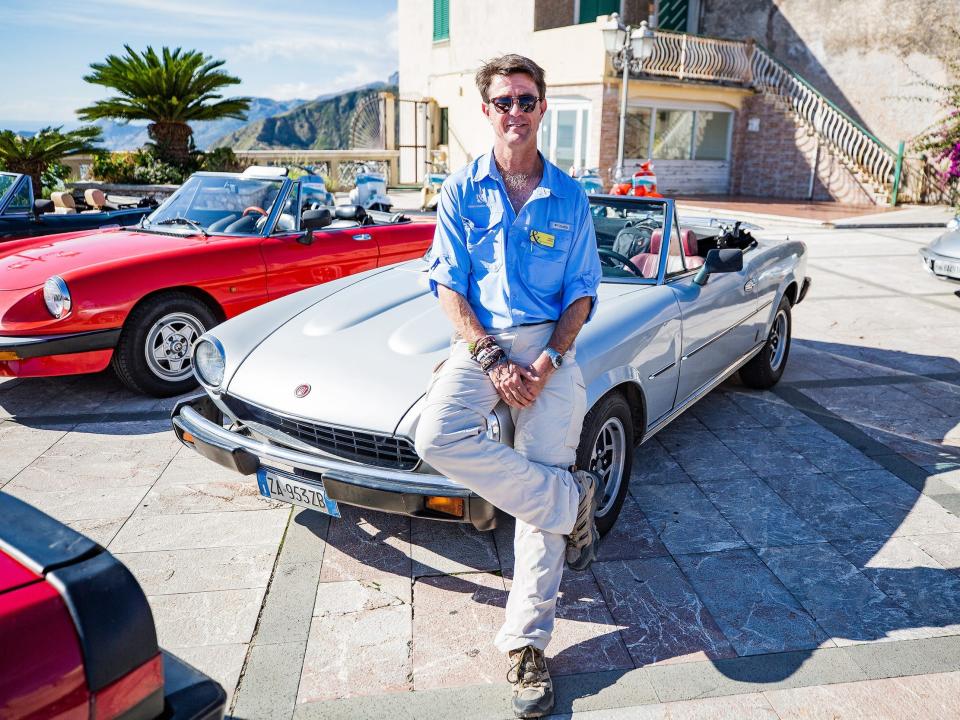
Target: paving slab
[[223, 663], [216, 496], [167, 572], [270, 682], [632, 537], [945, 549], [22, 445], [92, 504], [662, 619], [753, 609], [653, 464], [220, 617], [200, 530], [365, 544], [702, 455], [285, 617], [439, 548], [749, 706]]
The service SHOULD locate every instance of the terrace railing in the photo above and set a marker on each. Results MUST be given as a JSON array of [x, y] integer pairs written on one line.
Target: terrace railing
[[693, 57]]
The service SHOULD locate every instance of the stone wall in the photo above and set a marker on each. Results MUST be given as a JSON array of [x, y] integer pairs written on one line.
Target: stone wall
[[775, 160], [868, 56]]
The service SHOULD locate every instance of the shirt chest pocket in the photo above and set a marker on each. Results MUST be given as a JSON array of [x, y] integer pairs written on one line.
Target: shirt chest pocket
[[544, 266], [483, 245]]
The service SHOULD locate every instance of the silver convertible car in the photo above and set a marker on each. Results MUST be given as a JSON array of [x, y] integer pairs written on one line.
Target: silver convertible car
[[942, 256], [318, 394]]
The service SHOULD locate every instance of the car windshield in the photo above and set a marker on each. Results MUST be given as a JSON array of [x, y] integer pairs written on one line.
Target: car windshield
[[6, 182], [629, 236], [228, 205]]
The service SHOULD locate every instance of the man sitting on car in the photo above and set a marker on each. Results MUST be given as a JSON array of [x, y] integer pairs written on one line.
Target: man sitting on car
[[516, 269]]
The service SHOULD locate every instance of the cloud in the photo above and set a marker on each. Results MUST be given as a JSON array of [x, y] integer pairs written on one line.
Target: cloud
[[297, 90]]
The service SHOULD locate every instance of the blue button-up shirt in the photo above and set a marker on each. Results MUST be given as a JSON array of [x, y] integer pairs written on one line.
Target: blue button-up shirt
[[514, 268]]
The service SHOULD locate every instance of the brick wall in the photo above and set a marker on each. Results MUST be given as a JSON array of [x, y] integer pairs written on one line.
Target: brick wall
[[609, 131], [775, 160]]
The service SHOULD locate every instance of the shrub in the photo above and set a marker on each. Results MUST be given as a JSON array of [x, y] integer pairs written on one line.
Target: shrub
[[221, 159]]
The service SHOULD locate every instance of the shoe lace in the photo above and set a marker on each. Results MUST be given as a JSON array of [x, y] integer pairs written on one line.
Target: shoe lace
[[526, 671]]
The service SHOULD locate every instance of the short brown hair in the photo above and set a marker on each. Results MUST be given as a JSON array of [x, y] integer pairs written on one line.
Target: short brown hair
[[508, 65]]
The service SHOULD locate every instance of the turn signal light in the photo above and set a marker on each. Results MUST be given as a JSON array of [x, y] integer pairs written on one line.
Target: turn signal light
[[446, 505], [8, 355], [187, 437]]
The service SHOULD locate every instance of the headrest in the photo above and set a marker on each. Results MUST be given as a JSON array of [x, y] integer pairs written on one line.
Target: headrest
[[63, 200], [350, 212], [688, 241], [94, 197], [656, 240]]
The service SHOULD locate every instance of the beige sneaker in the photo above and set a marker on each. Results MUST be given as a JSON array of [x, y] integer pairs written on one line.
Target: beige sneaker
[[532, 686], [583, 541]]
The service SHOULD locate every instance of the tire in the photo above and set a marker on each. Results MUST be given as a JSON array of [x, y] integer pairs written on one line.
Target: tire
[[766, 367], [168, 371], [609, 424]]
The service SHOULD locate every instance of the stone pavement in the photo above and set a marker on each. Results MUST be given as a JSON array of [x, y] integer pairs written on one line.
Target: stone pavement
[[784, 554]]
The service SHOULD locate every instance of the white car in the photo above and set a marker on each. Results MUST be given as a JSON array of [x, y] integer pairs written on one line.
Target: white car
[[318, 394]]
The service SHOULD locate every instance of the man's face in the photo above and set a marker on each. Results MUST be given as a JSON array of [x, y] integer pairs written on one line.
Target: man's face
[[515, 128]]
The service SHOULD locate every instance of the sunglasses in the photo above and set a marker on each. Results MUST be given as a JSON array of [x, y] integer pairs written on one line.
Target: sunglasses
[[526, 103]]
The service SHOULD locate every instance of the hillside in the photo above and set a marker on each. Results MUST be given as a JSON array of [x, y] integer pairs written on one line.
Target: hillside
[[321, 124]]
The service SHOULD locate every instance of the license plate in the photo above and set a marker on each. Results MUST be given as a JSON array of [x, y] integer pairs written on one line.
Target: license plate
[[946, 268], [288, 488]]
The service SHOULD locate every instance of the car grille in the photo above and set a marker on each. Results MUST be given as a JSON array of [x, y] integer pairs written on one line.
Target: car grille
[[384, 451]]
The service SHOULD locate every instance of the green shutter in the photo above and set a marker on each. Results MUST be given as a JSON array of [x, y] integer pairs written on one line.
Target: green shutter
[[672, 15], [441, 19], [590, 9]]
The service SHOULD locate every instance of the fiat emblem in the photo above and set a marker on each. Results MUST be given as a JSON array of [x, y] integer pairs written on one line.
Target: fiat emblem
[[302, 391]]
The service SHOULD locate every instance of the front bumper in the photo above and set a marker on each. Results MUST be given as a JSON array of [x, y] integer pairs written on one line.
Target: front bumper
[[930, 258], [33, 346], [197, 423]]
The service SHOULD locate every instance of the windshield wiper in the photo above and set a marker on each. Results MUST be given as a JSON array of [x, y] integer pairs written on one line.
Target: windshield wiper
[[184, 221]]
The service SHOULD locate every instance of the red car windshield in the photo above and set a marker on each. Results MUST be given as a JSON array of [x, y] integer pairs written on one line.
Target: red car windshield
[[218, 204]]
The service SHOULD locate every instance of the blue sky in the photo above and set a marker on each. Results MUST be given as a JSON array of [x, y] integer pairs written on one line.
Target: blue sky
[[281, 50]]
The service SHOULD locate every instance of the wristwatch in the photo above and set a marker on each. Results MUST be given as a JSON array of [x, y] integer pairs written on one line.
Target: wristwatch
[[556, 359]]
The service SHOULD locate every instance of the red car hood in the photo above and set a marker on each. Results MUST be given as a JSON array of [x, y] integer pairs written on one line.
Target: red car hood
[[28, 263]]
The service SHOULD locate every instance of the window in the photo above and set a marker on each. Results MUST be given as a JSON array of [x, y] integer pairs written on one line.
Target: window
[[441, 20], [564, 132], [671, 138], [636, 134], [590, 9], [675, 261], [21, 199], [677, 134], [710, 137]]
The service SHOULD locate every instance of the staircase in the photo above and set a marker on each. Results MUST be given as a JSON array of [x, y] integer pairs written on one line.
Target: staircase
[[693, 57]]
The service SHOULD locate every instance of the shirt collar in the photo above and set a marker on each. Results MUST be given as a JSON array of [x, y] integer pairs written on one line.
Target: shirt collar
[[486, 167]]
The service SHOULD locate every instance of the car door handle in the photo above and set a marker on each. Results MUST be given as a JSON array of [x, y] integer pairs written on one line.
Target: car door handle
[[363, 236], [749, 285]]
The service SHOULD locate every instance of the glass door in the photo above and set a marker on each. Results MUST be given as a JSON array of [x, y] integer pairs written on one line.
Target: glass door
[[564, 133]]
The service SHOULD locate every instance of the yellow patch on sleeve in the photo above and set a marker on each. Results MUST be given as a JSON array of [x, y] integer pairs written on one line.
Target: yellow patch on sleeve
[[541, 238]]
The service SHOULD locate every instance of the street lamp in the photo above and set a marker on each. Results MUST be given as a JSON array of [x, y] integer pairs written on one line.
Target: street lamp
[[627, 45]]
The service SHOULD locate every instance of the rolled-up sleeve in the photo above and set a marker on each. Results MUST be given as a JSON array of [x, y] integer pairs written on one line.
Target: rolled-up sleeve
[[449, 260], [581, 277]]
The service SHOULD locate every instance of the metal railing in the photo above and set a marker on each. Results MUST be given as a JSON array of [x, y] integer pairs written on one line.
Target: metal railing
[[693, 57]]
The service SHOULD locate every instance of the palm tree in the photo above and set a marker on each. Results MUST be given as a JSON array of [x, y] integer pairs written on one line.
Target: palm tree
[[169, 90], [33, 155]]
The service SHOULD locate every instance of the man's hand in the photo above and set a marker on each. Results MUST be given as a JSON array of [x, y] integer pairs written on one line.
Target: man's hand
[[512, 383]]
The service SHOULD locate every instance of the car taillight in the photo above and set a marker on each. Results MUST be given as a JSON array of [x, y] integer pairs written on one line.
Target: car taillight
[[144, 685]]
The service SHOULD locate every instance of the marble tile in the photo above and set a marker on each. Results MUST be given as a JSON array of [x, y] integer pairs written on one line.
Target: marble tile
[[359, 641], [100, 530], [455, 622], [918, 697], [849, 607], [631, 537], [168, 572], [945, 549], [585, 636], [917, 582], [703, 456], [662, 619], [270, 681], [758, 514], [439, 548], [221, 662], [769, 410], [685, 519], [199, 530], [750, 706], [828, 508], [910, 512], [22, 445], [717, 411], [653, 464], [823, 449], [366, 544], [190, 468], [764, 453], [220, 617], [90, 504], [218, 496], [752, 608]]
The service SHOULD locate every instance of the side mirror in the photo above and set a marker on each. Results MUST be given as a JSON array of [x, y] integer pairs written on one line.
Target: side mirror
[[312, 220], [720, 261], [42, 206]]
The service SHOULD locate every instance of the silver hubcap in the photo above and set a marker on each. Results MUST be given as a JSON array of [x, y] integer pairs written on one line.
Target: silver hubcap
[[779, 337], [608, 461], [169, 343]]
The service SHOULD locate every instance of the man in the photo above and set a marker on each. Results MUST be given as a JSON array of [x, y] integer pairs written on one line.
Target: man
[[515, 267]]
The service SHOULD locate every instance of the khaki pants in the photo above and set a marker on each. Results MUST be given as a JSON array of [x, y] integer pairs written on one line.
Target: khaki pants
[[530, 481]]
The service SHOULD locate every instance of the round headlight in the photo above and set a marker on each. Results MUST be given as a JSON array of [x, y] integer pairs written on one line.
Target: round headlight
[[954, 223], [208, 362], [57, 297]]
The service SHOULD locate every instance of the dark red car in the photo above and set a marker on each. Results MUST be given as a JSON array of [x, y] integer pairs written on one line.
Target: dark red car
[[77, 639], [137, 297]]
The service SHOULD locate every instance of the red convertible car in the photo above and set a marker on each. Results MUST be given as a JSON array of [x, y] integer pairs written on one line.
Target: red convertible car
[[137, 297], [77, 639]]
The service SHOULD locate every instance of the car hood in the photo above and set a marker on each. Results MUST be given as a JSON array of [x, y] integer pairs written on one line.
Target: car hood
[[366, 351], [947, 244], [28, 263]]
